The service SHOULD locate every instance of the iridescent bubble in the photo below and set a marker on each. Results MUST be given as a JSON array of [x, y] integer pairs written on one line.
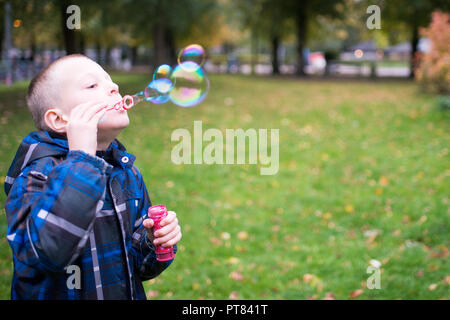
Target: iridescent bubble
[[153, 95], [191, 84], [138, 97], [161, 76], [192, 53]]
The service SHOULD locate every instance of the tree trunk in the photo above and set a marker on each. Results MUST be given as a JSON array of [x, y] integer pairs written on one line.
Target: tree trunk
[[81, 42], [108, 56], [254, 51], [98, 51], [414, 45], [134, 52], [163, 44], [170, 43], [301, 22], [68, 34], [159, 50], [275, 60]]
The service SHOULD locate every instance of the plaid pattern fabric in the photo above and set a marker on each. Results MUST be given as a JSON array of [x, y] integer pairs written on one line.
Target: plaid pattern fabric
[[69, 211]]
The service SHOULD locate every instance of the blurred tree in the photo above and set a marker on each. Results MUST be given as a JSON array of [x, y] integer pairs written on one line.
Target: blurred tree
[[33, 23], [267, 20], [414, 14], [434, 70], [275, 18], [302, 12], [250, 16], [169, 22]]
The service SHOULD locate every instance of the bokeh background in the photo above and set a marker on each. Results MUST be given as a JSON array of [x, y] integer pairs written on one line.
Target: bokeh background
[[363, 115]]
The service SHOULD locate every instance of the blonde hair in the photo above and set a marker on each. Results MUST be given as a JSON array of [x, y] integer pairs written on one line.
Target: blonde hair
[[43, 92]]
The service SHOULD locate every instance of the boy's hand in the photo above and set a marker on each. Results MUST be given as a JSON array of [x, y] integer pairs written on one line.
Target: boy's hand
[[170, 232], [82, 126]]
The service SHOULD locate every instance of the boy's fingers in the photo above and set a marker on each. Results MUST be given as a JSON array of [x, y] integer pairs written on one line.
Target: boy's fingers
[[80, 109], [172, 241], [168, 236], [92, 112], [171, 215], [96, 118], [167, 228], [148, 223]]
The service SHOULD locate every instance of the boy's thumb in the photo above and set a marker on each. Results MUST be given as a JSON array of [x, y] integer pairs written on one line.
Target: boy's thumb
[[148, 223]]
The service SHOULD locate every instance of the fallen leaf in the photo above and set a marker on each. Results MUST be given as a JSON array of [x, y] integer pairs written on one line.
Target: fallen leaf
[[383, 181], [422, 219], [307, 277], [152, 294], [356, 293], [233, 260], [215, 241], [225, 235], [243, 235], [443, 252], [236, 276], [349, 208], [432, 286], [420, 273], [329, 296], [170, 184], [233, 295]]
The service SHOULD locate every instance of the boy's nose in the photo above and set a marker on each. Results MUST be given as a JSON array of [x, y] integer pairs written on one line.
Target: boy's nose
[[114, 89]]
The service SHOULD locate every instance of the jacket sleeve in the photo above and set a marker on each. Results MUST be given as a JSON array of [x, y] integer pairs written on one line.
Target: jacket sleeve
[[143, 248], [51, 209]]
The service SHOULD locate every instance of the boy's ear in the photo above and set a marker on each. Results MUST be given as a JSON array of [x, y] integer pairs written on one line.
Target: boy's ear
[[55, 120]]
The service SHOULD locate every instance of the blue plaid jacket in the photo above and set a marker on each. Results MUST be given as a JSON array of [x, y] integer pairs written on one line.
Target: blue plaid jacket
[[75, 222]]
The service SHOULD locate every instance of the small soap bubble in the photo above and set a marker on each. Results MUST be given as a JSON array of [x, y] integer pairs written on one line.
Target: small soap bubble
[[192, 53], [138, 97], [190, 84], [161, 77], [153, 95]]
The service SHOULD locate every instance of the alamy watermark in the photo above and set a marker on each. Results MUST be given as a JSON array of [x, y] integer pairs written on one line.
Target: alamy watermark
[[374, 20], [221, 150], [374, 280], [74, 20], [74, 279]]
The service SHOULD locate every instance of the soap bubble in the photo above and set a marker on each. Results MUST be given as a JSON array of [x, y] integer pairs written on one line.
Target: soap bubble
[[192, 53], [161, 77], [190, 84], [138, 97], [153, 94]]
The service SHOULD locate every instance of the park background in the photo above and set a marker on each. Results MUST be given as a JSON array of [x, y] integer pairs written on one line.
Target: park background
[[364, 127]]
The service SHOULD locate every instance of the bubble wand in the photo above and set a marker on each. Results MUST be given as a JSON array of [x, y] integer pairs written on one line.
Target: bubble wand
[[186, 85]]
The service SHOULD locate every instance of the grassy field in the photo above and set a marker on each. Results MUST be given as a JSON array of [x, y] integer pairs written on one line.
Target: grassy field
[[364, 174]]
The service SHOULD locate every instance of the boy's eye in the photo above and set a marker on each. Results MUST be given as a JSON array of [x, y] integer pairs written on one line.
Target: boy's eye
[[92, 86]]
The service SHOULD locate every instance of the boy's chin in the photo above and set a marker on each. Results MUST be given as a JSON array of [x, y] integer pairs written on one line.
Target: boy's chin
[[114, 123]]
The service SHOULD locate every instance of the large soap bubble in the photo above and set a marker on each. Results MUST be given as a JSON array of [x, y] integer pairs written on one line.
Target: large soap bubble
[[191, 84]]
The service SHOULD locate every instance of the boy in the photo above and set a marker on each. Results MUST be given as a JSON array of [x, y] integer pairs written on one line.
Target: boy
[[77, 206]]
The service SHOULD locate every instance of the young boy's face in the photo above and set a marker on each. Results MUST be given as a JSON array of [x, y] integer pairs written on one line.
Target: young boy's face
[[82, 80]]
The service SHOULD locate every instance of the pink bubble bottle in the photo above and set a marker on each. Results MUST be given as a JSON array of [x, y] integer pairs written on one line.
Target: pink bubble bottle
[[157, 213]]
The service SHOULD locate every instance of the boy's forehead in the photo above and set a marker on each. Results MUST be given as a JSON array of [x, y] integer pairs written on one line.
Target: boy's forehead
[[76, 68]]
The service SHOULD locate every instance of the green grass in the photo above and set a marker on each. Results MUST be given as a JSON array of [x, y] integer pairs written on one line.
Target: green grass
[[364, 174]]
